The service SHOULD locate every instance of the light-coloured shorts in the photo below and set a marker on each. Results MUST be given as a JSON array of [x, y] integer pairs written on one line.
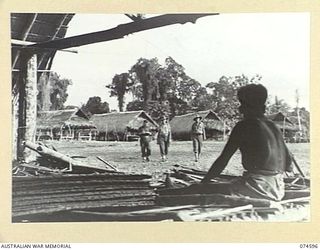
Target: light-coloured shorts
[[259, 186]]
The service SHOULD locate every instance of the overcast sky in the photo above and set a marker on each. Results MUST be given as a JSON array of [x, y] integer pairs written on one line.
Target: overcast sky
[[273, 45]]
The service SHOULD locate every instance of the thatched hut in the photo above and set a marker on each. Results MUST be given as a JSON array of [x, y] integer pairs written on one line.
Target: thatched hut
[[64, 124], [121, 125], [181, 125], [287, 127]]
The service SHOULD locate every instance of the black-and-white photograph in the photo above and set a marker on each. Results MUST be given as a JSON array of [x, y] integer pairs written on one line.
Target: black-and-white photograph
[[160, 117]]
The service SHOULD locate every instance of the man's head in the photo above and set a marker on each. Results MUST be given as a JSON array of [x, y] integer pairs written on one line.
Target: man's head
[[163, 119], [197, 118], [252, 98]]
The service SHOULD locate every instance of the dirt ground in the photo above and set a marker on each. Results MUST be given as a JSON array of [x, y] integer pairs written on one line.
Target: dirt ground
[[126, 156]]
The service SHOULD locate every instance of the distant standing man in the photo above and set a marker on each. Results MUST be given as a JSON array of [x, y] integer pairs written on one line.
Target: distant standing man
[[145, 139], [198, 134], [164, 137]]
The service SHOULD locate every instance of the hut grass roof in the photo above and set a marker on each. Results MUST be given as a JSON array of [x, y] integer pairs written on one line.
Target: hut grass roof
[[58, 118], [121, 121], [183, 123], [282, 121], [279, 117]]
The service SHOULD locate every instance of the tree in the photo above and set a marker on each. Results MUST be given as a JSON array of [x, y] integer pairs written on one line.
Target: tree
[[144, 71], [223, 98], [119, 87], [52, 91], [135, 105], [95, 106], [152, 79], [279, 105], [203, 100], [164, 89]]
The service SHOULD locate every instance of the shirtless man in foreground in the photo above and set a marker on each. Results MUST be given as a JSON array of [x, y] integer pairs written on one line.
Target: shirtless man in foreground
[[265, 156]]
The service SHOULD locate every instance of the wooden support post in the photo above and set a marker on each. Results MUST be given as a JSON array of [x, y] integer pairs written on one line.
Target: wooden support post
[[224, 130], [27, 112]]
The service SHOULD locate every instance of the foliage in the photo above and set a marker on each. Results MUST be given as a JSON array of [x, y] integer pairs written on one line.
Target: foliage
[[95, 106], [279, 105], [135, 105], [223, 96], [144, 73], [167, 89], [52, 91], [119, 87], [162, 89]]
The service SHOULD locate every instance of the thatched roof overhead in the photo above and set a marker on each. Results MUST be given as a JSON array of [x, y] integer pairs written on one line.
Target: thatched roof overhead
[[74, 118], [121, 121], [183, 123], [36, 28]]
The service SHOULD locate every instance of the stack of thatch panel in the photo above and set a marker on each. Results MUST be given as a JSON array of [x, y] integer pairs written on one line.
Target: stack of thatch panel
[[180, 189], [109, 191]]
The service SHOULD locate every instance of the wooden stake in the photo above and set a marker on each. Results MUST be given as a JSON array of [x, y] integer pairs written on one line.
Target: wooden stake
[[107, 163]]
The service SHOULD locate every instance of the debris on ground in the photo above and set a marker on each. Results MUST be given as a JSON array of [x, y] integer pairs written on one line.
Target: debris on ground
[[58, 187]]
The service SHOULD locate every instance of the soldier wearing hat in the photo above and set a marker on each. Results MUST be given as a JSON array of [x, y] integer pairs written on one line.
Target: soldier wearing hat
[[145, 139], [198, 134], [164, 137], [265, 156]]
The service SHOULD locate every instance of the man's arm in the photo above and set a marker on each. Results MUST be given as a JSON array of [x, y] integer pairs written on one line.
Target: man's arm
[[289, 156], [221, 162], [204, 132]]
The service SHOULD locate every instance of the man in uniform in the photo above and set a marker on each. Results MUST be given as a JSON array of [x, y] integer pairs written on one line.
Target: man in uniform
[[145, 139], [198, 134], [164, 137]]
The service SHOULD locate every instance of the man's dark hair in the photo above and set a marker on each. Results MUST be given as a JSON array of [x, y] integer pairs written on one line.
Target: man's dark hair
[[253, 96]]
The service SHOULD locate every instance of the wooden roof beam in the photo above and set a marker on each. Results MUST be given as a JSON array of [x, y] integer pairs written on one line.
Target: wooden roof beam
[[120, 31]]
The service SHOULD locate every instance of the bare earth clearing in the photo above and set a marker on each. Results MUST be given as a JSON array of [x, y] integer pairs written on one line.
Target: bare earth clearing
[[126, 156]]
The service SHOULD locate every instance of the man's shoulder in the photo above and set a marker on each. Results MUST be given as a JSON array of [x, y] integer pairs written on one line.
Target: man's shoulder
[[247, 124]]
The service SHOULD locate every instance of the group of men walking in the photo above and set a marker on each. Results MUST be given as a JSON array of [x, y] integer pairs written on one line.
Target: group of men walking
[[164, 137]]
